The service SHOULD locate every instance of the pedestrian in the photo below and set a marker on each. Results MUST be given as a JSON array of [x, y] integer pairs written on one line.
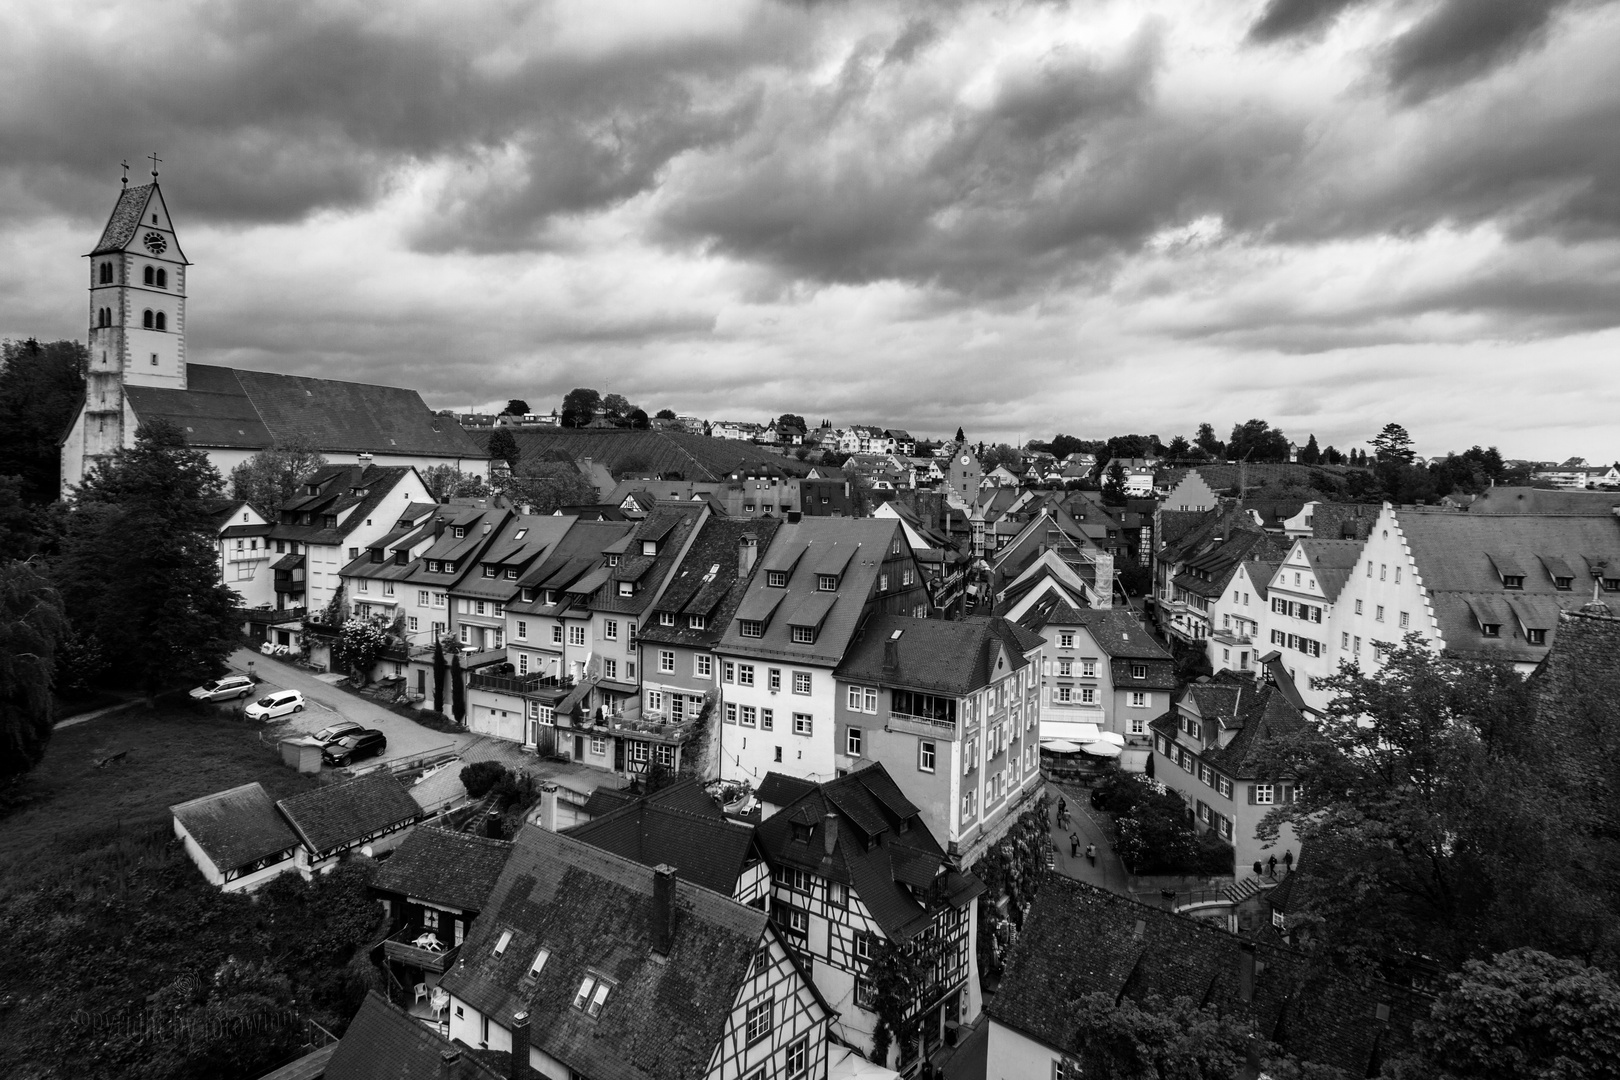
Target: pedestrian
[[1074, 845], [1091, 854], [1063, 807]]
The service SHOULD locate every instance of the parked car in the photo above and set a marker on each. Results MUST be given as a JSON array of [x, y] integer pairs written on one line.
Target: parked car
[[226, 689], [336, 731], [367, 742], [280, 703]]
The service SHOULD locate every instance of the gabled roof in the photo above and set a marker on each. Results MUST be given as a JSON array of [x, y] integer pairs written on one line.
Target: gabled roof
[[663, 453], [1079, 939], [936, 656], [672, 826], [236, 408], [235, 827], [453, 868], [579, 552], [709, 581], [1260, 713], [383, 1042], [592, 910], [330, 817], [128, 214], [881, 849], [1332, 560], [1541, 502], [669, 526]]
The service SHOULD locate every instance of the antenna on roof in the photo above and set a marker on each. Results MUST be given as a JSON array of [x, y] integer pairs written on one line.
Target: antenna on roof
[[125, 180]]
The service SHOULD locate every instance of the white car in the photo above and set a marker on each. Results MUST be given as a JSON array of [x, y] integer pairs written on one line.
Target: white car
[[280, 703], [226, 689]]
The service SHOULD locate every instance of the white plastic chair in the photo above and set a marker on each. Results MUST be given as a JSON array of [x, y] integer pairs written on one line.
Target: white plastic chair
[[421, 991]]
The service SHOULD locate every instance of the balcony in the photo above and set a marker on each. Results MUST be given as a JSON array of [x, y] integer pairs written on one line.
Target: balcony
[[1232, 637], [268, 616], [401, 947], [926, 726], [520, 684]]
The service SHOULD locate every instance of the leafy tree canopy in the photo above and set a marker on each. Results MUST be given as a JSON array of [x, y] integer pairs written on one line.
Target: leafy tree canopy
[[139, 564], [998, 455], [503, 447], [788, 419], [1256, 440], [616, 406], [1393, 444], [40, 385], [1310, 453], [1208, 443], [1158, 1039], [1114, 485], [638, 419], [666, 414], [31, 624], [448, 482], [1178, 447], [274, 477], [547, 486], [579, 407], [516, 407]]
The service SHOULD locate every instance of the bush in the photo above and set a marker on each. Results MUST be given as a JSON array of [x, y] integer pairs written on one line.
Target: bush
[[1153, 832], [479, 777]]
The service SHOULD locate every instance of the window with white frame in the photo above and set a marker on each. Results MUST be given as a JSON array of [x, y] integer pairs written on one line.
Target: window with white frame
[[703, 666], [773, 679], [598, 745], [745, 674], [1263, 794], [410, 623], [925, 755], [1088, 668], [576, 634], [767, 720], [1139, 699], [655, 701], [610, 669], [1138, 725], [1088, 695], [666, 661], [522, 630], [801, 682], [610, 629], [748, 716], [801, 723], [852, 742], [797, 1061], [556, 633], [1066, 639]]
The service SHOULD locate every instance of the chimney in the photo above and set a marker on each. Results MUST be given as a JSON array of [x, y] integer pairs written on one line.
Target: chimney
[[1246, 971], [747, 552], [520, 1045], [891, 653], [449, 1064], [663, 909], [829, 834], [365, 460], [548, 807]]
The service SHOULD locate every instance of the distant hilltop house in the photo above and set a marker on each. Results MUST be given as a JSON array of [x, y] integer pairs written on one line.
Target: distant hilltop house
[[139, 373], [1576, 477]]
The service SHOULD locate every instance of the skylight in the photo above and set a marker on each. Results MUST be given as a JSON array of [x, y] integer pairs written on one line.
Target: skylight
[[540, 959], [506, 939]]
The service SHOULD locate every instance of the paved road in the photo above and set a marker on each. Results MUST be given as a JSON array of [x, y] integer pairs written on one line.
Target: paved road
[[1109, 873], [327, 704]]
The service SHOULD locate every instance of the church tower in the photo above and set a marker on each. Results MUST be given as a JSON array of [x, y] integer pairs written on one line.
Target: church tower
[[137, 315]]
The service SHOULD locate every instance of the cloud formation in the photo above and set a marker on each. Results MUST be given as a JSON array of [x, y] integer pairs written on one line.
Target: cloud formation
[[752, 206]]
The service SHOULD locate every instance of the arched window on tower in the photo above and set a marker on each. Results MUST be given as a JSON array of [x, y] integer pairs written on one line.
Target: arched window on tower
[[162, 278], [150, 276], [146, 318], [106, 273], [162, 321]]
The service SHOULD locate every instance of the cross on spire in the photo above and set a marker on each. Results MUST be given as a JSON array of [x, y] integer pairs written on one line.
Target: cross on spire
[[155, 161], [125, 179]]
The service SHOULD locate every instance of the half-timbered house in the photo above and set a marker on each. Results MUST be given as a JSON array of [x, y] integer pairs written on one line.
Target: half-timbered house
[[598, 966], [854, 866], [371, 811]]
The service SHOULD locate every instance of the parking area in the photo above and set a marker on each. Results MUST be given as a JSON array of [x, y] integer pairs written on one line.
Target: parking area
[[325, 704]]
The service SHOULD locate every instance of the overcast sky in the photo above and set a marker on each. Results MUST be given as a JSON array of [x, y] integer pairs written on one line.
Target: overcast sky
[[1096, 217]]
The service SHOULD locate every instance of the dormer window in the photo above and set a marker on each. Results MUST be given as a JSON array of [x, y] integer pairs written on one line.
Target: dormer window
[[449, 567], [649, 547], [593, 991], [1536, 637], [511, 573], [490, 571], [1512, 581], [804, 635], [1611, 584], [751, 628], [376, 555], [401, 557], [1563, 583], [433, 566], [1138, 671], [549, 596], [613, 560], [696, 622], [525, 595], [1491, 629], [458, 532], [826, 582], [666, 618], [801, 832], [776, 579], [627, 588]]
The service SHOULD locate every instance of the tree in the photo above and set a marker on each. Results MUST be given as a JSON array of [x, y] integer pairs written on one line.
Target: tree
[[138, 568], [1208, 443], [458, 690], [1393, 444], [1114, 485], [1332, 456], [1178, 447], [503, 447], [516, 407], [275, 476], [1310, 454], [1523, 1015], [31, 624], [440, 670], [548, 487], [1000, 454], [1157, 1039], [1256, 440], [579, 407], [788, 419], [448, 482], [1453, 832], [19, 532], [616, 407], [40, 387], [666, 414], [638, 419]]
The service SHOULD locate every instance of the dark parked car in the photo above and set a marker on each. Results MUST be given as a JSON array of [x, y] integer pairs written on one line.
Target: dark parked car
[[355, 746], [336, 731]]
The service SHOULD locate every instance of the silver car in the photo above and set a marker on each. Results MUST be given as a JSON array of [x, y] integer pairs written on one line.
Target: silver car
[[227, 689]]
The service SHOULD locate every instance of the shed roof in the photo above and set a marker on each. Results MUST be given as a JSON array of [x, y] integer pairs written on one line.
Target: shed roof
[[331, 817], [236, 826], [443, 866]]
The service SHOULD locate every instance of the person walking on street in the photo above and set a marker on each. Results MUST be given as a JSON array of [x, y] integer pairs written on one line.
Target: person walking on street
[[1074, 845], [1091, 854]]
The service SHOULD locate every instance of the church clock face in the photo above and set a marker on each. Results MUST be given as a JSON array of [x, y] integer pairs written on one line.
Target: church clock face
[[155, 243]]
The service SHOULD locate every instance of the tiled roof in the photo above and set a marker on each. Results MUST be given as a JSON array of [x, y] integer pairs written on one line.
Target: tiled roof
[[1332, 560], [934, 655], [336, 482], [779, 789], [331, 816], [669, 526], [1116, 631], [1259, 712], [235, 827], [126, 217], [708, 581], [901, 876], [1522, 500], [454, 868], [1454, 554], [385, 1043], [1079, 939], [861, 544], [233, 407], [692, 835], [592, 910]]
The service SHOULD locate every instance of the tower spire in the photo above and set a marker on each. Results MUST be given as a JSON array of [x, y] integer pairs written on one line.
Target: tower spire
[[125, 179], [155, 162]]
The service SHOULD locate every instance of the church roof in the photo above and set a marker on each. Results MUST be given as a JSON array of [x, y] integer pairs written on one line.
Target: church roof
[[233, 407], [125, 219]]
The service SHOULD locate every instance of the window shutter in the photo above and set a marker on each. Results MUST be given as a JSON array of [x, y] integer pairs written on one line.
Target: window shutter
[[1251, 793], [1288, 793], [1046, 667]]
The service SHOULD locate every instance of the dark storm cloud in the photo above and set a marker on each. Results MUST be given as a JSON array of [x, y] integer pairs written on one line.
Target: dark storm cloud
[[1463, 39], [1291, 18]]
